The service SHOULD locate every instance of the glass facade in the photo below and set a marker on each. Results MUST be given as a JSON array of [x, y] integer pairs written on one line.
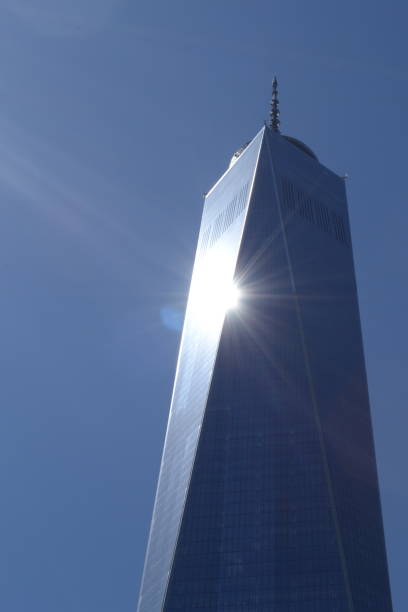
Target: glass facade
[[268, 496]]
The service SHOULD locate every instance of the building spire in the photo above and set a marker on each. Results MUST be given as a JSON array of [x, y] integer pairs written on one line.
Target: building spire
[[274, 122]]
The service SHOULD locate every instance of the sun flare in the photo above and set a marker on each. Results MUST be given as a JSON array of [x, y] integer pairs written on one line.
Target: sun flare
[[214, 292]]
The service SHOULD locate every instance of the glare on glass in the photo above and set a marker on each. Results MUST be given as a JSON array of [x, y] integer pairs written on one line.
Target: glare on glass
[[214, 292]]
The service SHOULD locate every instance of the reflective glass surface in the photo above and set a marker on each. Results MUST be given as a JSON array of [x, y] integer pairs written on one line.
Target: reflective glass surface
[[268, 495], [220, 234], [321, 260]]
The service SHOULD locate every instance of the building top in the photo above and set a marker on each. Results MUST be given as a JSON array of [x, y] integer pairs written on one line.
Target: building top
[[274, 125], [274, 121]]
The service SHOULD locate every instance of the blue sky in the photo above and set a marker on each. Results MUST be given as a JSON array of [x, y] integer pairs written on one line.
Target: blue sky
[[115, 117]]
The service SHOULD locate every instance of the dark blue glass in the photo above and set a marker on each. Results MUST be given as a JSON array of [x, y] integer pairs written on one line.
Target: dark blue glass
[[268, 495]]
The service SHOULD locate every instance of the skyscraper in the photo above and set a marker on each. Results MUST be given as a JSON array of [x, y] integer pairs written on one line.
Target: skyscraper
[[268, 496]]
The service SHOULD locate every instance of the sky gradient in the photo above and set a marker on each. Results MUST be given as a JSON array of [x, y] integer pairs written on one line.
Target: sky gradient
[[115, 118]]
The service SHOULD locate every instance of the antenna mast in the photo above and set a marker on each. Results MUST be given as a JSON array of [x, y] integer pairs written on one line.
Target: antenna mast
[[274, 121]]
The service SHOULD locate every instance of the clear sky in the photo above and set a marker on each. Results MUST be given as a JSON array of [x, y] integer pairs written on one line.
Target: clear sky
[[115, 117]]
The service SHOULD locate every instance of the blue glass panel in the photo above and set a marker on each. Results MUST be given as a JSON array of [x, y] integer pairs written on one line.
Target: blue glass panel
[[275, 519], [322, 268], [220, 234], [268, 495], [258, 531]]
